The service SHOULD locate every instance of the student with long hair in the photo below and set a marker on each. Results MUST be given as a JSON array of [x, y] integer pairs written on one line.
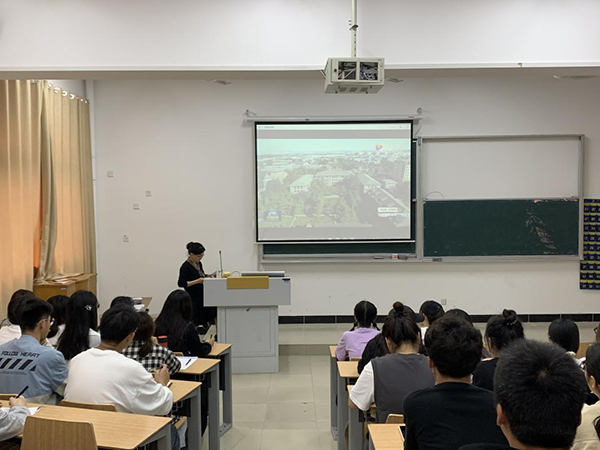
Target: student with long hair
[[175, 322], [387, 380], [81, 327], [353, 342], [59, 314], [145, 351], [500, 331], [588, 433]]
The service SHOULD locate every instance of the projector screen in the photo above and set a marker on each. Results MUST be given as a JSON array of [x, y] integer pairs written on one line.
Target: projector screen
[[331, 181]]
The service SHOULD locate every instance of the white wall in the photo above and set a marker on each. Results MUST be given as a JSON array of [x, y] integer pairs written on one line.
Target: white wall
[[75, 34], [185, 141]]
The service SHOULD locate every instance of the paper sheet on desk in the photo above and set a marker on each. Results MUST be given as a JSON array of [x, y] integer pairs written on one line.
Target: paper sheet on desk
[[32, 411], [138, 307], [186, 361]]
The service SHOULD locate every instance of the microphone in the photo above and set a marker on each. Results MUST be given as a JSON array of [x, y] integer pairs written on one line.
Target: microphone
[[221, 261]]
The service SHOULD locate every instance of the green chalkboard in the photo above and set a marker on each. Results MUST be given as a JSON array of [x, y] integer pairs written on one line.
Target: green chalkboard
[[501, 228]]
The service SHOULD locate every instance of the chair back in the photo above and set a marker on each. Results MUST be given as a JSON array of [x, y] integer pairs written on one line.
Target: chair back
[[178, 353], [83, 405], [53, 434], [355, 358], [395, 418], [583, 349]]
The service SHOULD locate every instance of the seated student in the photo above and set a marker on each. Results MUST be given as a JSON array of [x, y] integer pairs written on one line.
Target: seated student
[[454, 412], [175, 322], [588, 433], [431, 311], [145, 351], [12, 421], [81, 328], [539, 394], [104, 375], [565, 333], [26, 362], [375, 348], [10, 327], [500, 331], [460, 313], [59, 314], [353, 342], [389, 379], [122, 300]]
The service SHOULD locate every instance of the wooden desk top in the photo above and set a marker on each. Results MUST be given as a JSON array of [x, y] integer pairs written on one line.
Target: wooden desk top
[[200, 366], [332, 350], [119, 431], [218, 349], [181, 389], [386, 437], [348, 369]]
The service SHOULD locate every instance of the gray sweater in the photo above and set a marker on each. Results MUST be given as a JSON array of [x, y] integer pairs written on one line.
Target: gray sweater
[[12, 422]]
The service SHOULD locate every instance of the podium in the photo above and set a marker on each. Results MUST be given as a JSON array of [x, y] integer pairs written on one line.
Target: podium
[[248, 318]]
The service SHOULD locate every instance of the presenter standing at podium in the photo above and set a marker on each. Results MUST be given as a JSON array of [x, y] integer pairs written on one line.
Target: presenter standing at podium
[[191, 278]]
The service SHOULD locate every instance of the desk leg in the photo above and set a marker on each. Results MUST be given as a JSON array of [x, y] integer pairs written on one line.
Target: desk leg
[[162, 439], [371, 445], [194, 439], [227, 388], [342, 412], [355, 429], [333, 379], [214, 416]]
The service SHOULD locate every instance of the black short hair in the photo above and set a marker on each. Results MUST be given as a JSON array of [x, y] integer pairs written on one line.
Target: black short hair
[[564, 332], [15, 303], [503, 329], [454, 345], [432, 310], [541, 391], [460, 313], [122, 300], [195, 248], [117, 323], [31, 311]]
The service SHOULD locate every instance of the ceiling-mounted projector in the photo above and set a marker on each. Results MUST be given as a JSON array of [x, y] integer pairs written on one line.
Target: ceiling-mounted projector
[[354, 75]]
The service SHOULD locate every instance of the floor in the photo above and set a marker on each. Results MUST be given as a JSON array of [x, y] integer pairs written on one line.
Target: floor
[[290, 409]]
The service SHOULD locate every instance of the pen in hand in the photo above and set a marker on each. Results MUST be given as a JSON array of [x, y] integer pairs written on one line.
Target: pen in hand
[[22, 392]]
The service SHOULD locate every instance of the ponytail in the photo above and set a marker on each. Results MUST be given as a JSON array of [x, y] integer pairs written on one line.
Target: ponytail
[[592, 369]]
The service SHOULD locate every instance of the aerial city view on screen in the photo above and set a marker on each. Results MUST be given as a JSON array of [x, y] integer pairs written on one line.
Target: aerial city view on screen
[[314, 188]]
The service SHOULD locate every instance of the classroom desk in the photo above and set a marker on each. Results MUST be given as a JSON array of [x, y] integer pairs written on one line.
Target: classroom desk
[[385, 437], [210, 369], [355, 425], [222, 352], [117, 431], [333, 391], [347, 370], [184, 391]]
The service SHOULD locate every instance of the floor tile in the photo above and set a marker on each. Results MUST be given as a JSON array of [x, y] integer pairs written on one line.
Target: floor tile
[[250, 395], [326, 441], [251, 441], [323, 411], [321, 393], [290, 440], [285, 394], [290, 412], [295, 364], [312, 425], [251, 380], [249, 412], [291, 380]]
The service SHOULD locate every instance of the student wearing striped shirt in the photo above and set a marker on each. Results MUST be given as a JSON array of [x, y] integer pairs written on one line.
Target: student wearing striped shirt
[[144, 350]]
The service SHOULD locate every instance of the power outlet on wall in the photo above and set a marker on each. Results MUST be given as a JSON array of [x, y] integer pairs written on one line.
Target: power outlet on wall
[[125, 238], [443, 302], [136, 206]]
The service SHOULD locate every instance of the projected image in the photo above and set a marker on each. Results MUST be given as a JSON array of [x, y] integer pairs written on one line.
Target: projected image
[[333, 181]]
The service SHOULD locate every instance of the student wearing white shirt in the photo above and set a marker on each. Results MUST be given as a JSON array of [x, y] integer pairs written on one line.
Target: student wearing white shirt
[[81, 327], [59, 314], [387, 380], [104, 375], [10, 328]]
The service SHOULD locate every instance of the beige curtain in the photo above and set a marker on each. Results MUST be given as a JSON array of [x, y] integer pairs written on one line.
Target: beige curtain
[[70, 246], [21, 149], [46, 187]]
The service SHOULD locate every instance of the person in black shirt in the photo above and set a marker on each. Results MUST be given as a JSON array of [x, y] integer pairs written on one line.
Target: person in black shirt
[[191, 278], [175, 322], [500, 331], [539, 394], [453, 413]]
